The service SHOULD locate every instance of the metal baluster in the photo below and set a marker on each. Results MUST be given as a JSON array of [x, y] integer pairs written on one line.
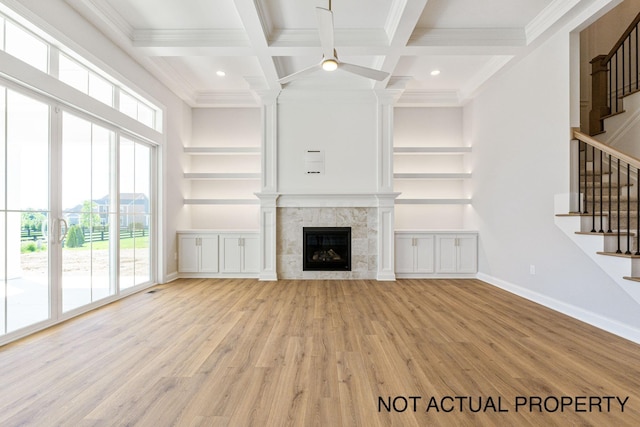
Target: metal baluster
[[638, 206], [628, 252], [623, 91], [617, 86], [586, 184], [593, 189], [579, 178], [609, 218], [618, 197], [601, 215], [637, 57]]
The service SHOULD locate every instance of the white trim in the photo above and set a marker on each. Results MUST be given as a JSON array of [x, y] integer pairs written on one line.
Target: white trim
[[594, 319]]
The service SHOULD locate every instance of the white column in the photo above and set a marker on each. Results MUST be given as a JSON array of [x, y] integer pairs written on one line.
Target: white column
[[386, 197], [386, 239], [268, 210], [269, 186]]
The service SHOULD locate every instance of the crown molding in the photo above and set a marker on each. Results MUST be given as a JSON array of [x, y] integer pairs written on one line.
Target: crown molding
[[509, 37], [191, 37], [549, 16], [225, 99], [425, 98], [107, 15]]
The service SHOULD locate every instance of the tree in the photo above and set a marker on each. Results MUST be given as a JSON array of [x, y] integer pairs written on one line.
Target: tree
[[32, 220], [89, 217], [75, 237]]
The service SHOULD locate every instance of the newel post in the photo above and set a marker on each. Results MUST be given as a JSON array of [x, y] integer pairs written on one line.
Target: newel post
[[599, 107]]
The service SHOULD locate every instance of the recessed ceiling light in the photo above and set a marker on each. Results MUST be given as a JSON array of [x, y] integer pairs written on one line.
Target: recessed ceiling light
[[435, 72], [220, 73]]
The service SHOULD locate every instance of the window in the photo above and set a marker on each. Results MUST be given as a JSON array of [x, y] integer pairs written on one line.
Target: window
[[80, 77], [137, 109], [26, 46]]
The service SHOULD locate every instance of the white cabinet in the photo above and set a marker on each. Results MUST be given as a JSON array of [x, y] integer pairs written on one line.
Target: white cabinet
[[218, 253], [239, 253], [456, 253], [198, 253], [414, 253], [436, 253]]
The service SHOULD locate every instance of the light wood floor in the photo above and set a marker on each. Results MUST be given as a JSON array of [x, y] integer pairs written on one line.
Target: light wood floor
[[318, 353]]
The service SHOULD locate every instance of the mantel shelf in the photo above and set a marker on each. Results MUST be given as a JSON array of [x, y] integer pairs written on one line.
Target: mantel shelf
[[433, 201], [431, 150], [446, 175], [221, 150], [222, 175]]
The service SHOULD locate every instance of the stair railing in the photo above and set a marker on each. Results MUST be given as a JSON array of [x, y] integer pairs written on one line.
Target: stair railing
[[614, 76], [595, 161]]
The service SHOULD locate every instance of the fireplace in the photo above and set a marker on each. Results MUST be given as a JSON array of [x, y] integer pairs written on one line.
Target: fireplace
[[326, 248]]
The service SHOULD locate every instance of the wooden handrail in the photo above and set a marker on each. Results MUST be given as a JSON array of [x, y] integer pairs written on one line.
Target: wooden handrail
[[633, 161], [624, 36]]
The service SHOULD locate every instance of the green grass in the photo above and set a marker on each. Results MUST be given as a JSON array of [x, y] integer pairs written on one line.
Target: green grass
[[128, 243]]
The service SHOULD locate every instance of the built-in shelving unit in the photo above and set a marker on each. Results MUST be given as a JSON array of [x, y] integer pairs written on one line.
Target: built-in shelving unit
[[226, 154], [431, 168], [425, 153]]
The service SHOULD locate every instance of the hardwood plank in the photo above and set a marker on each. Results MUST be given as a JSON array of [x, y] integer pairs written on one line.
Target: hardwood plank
[[314, 353]]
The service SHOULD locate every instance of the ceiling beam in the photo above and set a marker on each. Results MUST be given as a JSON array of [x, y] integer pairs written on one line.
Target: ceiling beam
[[254, 22], [403, 18]]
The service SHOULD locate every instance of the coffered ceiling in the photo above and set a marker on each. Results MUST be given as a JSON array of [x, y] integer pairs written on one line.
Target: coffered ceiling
[[256, 42]]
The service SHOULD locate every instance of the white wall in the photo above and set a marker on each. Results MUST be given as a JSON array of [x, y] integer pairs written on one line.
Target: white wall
[[345, 130], [519, 129], [70, 28]]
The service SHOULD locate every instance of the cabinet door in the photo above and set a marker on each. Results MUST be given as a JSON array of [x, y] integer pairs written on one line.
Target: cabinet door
[[230, 254], [467, 254], [446, 254], [209, 254], [404, 258], [424, 254], [188, 253], [251, 254]]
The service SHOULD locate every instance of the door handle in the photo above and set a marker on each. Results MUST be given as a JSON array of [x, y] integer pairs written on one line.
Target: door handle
[[61, 235]]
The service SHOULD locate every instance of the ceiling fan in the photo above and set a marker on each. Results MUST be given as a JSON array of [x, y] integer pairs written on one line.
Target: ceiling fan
[[330, 60]]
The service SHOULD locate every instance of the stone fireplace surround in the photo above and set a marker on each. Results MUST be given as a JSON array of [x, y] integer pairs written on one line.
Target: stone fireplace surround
[[370, 217], [364, 239]]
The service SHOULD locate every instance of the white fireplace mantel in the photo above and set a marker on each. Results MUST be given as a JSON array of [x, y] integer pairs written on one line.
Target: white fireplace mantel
[[332, 200]]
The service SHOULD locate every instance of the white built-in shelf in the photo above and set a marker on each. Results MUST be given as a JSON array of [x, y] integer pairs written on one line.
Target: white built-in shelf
[[221, 150], [431, 150], [433, 201], [453, 175], [446, 175], [233, 175], [221, 201]]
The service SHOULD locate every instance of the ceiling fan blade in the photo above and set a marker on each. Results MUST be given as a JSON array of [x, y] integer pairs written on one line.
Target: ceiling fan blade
[[325, 27], [364, 71], [300, 73]]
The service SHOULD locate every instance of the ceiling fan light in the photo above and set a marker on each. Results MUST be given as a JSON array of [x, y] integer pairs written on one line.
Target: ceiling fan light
[[329, 65]]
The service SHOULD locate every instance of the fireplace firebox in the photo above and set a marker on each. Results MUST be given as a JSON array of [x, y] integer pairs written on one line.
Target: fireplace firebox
[[326, 248]]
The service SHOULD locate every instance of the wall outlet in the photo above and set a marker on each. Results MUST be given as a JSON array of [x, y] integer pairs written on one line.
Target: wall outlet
[[532, 270], [175, 255]]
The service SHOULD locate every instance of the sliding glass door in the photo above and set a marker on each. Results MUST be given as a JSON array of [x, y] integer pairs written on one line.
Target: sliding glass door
[[76, 223], [24, 211], [135, 213], [88, 210]]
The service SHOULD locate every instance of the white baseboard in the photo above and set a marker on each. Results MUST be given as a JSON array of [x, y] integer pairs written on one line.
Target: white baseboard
[[171, 277], [593, 319]]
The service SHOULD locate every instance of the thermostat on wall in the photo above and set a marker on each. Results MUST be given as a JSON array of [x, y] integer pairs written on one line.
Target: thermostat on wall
[[314, 162]]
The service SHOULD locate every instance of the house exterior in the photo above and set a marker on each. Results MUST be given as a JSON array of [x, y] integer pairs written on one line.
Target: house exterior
[[518, 125]]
